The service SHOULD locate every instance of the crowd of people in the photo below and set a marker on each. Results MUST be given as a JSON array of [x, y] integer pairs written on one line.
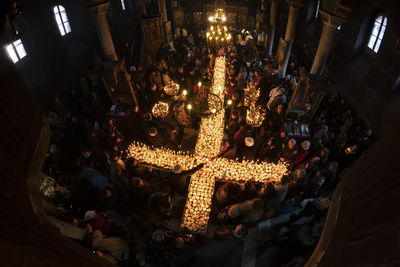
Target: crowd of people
[[127, 209]]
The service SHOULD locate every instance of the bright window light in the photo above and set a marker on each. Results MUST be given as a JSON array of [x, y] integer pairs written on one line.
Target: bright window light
[[16, 50], [62, 20], [317, 8], [123, 4], [377, 33]]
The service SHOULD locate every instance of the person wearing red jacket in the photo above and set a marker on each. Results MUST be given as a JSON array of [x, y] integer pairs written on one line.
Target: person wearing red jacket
[[303, 152], [96, 221]]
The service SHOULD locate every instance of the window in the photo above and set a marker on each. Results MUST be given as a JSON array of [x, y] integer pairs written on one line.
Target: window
[[16, 50], [377, 33], [123, 4], [62, 20]]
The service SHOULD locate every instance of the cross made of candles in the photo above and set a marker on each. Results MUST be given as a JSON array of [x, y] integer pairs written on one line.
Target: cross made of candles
[[201, 188]]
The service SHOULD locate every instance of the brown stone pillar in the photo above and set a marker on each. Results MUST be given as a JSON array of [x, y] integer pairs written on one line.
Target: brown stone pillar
[[163, 10], [99, 14], [294, 7], [163, 13], [330, 25], [273, 16]]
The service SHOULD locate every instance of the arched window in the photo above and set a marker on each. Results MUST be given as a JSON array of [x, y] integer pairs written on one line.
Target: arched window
[[377, 33], [16, 50], [62, 20], [123, 4]]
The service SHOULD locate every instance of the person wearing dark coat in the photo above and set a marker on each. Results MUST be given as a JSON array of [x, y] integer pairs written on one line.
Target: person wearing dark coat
[[227, 194], [276, 119], [289, 152], [155, 138], [233, 123], [178, 178], [229, 215], [180, 77], [281, 138], [269, 151]]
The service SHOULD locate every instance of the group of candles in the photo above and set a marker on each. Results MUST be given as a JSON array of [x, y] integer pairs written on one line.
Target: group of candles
[[201, 188], [198, 204], [254, 116], [211, 130], [161, 157]]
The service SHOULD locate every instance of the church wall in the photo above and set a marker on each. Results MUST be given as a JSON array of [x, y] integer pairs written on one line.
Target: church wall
[[54, 61], [121, 24], [366, 78]]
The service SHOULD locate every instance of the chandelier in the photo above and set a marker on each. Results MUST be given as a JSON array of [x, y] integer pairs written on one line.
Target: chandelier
[[160, 110], [255, 116], [218, 17], [251, 94], [218, 33], [172, 88]]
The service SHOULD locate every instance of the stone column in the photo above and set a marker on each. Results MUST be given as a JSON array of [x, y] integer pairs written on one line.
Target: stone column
[[170, 13], [273, 16], [163, 10], [99, 14], [294, 7], [330, 26]]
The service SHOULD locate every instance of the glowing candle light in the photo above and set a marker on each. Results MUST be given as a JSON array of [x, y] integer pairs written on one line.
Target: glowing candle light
[[201, 188]]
